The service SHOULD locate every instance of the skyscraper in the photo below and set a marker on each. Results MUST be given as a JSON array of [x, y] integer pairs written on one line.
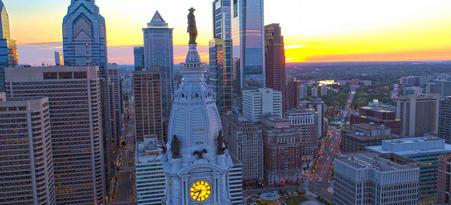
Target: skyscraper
[[26, 166], [275, 61], [148, 104], [84, 35], [221, 55], [418, 114], [245, 142], [257, 103], [138, 54], [248, 42], [292, 95], [443, 179], [8, 49], [444, 122], [159, 56], [76, 127]]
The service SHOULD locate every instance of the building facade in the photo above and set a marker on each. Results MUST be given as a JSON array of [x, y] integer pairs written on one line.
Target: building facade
[[282, 148], [444, 122], [379, 114], [8, 49], [150, 180], [26, 168], [441, 87], [84, 35], [58, 58], [418, 114], [424, 150], [138, 57], [159, 56], [245, 142], [359, 136], [257, 103], [293, 97], [369, 178], [148, 104], [444, 179], [306, 120], [220, 55], [76, 127], [248, 42], [275, 60]]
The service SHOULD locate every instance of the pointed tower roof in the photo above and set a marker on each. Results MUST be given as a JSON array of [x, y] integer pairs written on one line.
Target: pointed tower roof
[[157, 21]]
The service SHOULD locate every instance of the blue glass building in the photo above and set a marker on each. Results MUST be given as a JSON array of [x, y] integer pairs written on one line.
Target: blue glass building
[[159, 56], [4, 39], [220, 52], [248, 42], [84, 35]]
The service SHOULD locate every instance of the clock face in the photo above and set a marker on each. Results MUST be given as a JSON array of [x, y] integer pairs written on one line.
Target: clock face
[[200, 190]]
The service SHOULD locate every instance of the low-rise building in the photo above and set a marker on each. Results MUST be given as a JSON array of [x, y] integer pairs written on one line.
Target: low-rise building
[[370, 178], [377, 113], [425, 150], [359, 136]]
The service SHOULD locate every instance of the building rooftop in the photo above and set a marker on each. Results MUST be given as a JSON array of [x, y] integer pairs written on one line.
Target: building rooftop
[[380, 162], [413, 146]]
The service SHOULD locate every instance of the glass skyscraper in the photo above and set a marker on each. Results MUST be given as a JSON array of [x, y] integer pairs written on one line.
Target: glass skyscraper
[[159, 56], [220, 51], [248, 42], [8, 50], [84, 35]]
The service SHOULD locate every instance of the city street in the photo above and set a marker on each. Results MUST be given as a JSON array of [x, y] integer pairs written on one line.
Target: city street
[[124, 187]]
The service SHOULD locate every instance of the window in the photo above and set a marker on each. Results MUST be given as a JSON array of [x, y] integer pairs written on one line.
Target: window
[[50, 75]]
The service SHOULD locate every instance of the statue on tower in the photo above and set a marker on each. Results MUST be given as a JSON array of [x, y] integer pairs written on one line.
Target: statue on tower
[[192, 28]]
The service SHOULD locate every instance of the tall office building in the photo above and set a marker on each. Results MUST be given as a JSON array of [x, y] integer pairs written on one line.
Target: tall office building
[[76, 127], [59, 59], [220, 52], [306, 120], [444, 179], [425, 151], [115, 95], [138, 56], [292, 96], [159, 56], [26, 166], [320, 107], [8, 49], [441, 87], [245, 142], [282, 148], [150, 180], [248, 42], [369, 178], [275, 60], [84, 35], [257, 103], [418, 114], [444, 122], [148, 104]]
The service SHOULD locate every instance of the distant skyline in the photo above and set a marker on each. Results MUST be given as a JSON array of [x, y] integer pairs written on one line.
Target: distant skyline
[[314, 30]]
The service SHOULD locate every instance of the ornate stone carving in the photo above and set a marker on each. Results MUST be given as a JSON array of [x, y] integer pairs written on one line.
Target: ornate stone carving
[[221, 144], [175, 147]]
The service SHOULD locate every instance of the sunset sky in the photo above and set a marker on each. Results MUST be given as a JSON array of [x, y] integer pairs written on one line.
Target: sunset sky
[[314, 30]]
